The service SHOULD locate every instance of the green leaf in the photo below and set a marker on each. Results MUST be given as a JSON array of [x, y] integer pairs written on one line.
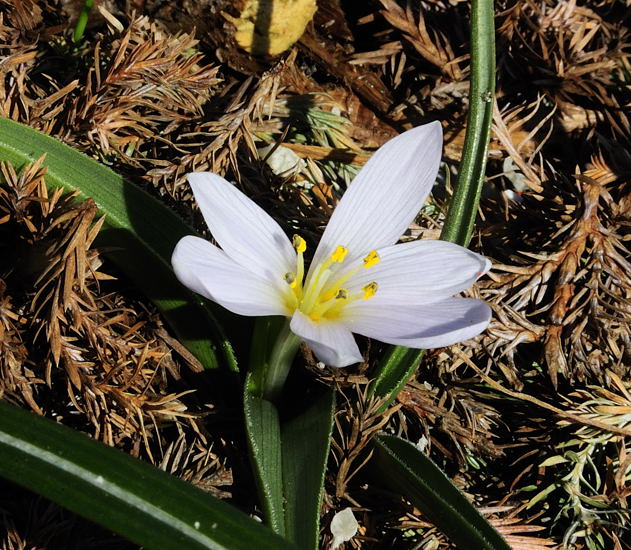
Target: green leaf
[[82, 21], [262, 428], [139, 235], [553, 461], [306, 441], [543, 494], [403, 468], [142, 503], [399, 364], [393, 372], [288, 460], [463, 206]]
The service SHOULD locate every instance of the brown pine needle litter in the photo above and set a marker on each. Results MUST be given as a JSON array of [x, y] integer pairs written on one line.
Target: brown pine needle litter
[[532, 420]]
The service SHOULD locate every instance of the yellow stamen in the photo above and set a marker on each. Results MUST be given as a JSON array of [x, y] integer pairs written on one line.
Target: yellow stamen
[[299, 244], [371, 259], [370, 290], [313, 291], [339, 254], [325, 305], [342, 294], [317, 297], [290, 279], [295, 280]]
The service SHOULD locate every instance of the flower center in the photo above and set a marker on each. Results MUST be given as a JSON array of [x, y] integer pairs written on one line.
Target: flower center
[[319, 297]]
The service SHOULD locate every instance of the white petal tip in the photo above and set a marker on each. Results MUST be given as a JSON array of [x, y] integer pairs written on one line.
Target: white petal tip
[[332, 343], [429, 132], [346, 361], [487, 267], [198, 179]]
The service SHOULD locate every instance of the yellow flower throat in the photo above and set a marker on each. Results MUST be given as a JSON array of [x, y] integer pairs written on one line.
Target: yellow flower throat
[[322, 299]]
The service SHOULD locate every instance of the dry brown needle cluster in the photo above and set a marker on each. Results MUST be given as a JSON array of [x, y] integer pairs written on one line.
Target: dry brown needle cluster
[[76, 349]]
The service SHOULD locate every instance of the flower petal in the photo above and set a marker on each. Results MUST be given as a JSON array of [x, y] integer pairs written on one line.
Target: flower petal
[[427, 326], [209, 271], [242, 228], [332, 343], [420, 272], [386, 195]]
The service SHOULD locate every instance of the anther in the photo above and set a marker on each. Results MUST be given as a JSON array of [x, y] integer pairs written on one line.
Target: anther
[[370, 290], [342, 294], [299, 244], [339, 254], [371, 259], [290, 279]]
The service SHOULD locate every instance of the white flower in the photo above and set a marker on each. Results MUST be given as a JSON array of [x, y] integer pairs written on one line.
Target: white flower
[[359, 279]]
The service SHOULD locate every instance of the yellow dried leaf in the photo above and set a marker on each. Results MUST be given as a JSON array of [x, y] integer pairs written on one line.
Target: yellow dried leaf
[[271, 26]]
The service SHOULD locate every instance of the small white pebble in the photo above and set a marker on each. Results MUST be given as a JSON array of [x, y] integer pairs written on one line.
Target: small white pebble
[[512, 196], [283, 161], [422, 443], [514, 175], [343, 527]]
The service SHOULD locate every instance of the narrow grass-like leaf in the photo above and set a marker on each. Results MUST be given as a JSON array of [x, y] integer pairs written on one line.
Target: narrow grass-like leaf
[[139, 235], [394, 370], [262, 427], [82, 21], [463, 206], [404, 468], [399, 364], [306, 441], [142, 503]]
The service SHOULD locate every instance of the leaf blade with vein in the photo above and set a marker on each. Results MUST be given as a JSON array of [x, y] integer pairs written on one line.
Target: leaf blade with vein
[[142, 503]]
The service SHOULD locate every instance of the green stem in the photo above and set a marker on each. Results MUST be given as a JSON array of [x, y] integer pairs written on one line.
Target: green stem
[[273, 349], [82, 21], [279, 363]]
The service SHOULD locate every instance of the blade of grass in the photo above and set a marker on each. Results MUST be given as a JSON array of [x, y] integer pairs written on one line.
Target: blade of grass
[[139, 235], [399, 364], [463, 206], [288, 460], [262, 428], [142, 503], [404, 468], [306, 441], [82, 21], [393, 372], [262, 424]]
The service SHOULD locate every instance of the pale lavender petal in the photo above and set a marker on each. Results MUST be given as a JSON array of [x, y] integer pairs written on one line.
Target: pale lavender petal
[[209, 271], [427, 326], [331, 342], [386, 195], [243, 229], [420, 272]]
